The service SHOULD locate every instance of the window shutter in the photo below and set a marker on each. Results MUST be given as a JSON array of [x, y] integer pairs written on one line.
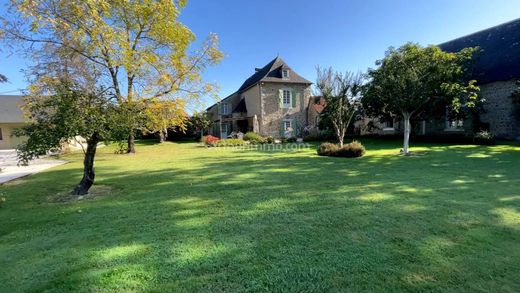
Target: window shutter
[[296, 128], [280, 97], [282, 128], [300, 97], [293, 94]]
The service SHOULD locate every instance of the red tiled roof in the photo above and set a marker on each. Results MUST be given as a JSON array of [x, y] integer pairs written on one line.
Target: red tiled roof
[[320, 105]]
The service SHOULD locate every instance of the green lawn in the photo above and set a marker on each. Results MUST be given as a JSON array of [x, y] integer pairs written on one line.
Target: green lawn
[[180, 217]]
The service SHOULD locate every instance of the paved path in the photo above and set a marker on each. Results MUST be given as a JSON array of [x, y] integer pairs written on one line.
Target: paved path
[[11, 171]]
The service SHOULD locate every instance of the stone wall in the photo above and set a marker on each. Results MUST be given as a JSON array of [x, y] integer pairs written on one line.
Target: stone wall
[[273, 115], [252, 98], [500, 112], [502, 116]]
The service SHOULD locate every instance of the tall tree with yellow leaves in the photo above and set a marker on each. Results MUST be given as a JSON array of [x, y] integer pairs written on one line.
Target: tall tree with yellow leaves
[[140, 49], [161, 115]]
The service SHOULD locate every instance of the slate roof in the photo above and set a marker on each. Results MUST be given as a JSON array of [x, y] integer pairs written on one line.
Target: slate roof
[[10, 111], [500, 59], [272, 73], [241, 107], [269, 73], [320, 105]]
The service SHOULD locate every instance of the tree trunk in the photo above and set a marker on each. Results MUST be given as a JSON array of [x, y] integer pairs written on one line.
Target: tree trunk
[[407, 129], [341, 136], [131, 143], [163, 134], [88, 167], [201, 134]]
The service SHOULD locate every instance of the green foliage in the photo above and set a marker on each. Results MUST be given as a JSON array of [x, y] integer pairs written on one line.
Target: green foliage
[[484, 137], [350, 150], [199, 121], [269, 139], [138, 49], [409, 79], [230, 142], [63, 115], [254, 137], [412, 79]]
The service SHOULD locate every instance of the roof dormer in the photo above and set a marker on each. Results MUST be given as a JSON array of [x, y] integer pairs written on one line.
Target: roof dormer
[[286, 73]]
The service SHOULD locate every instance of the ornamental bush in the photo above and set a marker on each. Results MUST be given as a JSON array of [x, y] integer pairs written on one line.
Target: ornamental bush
[[230, 142], [210, 140], [350, 150], [253, 137], [484, 137]]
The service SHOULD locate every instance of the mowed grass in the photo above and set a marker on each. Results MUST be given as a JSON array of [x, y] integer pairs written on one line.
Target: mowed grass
[[181, 217]]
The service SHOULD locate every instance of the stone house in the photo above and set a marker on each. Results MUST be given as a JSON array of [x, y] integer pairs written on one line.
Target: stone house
[[496, 70], [275, 95]]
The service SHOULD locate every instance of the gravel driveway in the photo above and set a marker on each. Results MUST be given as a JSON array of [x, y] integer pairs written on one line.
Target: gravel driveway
[[10, 170]]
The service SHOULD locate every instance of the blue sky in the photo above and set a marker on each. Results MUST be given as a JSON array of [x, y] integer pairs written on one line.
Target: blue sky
[[348, 35]]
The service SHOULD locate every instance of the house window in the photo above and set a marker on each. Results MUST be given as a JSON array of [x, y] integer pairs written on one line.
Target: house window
[[224, 108], [287, 128], [453, 123], [287, 125], [285, 74], [388, 124], [286, 98], [1, 137]]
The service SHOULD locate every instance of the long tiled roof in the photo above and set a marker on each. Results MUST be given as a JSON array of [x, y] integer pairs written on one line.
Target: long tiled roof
[[500, 58], [10, 111]]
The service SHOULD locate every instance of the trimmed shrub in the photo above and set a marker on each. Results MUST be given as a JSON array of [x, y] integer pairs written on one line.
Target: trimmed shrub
[[210, 140], [350, 150], [253, 137], [484, 137], [230, 142], [327, 149], [269, 139], [291, 139]]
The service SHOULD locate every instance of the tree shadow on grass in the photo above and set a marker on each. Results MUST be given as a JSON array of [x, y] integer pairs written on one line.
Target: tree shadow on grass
[[281, 221]]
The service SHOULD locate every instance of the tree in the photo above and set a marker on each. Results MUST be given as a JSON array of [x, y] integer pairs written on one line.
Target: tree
[[412, 78], [140, 47], [341, 93], [200, 121], [65, 113], [161, 115]]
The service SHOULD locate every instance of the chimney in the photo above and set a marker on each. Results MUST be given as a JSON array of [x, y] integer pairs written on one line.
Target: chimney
[[257, 69]]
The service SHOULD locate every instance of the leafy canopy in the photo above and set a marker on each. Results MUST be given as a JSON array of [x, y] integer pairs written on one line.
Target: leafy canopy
[[65, 113], [164, 114], [140, 47], [411, 77]]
